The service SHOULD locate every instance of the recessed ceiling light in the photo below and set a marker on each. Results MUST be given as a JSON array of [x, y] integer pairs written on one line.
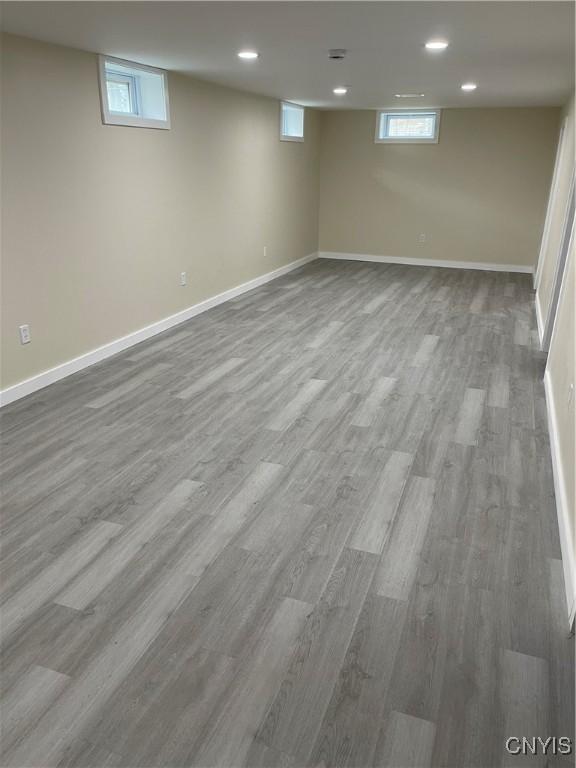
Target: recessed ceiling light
[[468, 86], [436, 45], [340, 90], [248, 54], [408, 95]]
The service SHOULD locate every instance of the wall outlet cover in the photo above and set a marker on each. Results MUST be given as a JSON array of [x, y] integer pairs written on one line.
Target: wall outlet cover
[[25, 337]]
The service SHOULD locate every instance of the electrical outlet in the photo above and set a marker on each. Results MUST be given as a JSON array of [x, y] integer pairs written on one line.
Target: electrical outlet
[[265, 251], [422, 237], [183, 278], [570, 394], [25, 337]]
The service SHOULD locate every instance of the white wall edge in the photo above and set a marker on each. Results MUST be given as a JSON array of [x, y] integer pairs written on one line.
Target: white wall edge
[[487, 266], [44, 379], [566, 543]]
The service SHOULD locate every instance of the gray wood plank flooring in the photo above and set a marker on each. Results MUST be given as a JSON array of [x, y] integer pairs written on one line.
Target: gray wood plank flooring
[[314, 526]]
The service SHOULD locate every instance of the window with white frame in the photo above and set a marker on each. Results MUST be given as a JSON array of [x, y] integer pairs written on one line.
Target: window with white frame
[[291, 122], [133, 94], [403, 127]]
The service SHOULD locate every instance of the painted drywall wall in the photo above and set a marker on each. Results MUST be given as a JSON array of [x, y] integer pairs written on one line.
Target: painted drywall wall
[[99, 221], [561, 363], [561, 372], [479, 195], [560, 193]]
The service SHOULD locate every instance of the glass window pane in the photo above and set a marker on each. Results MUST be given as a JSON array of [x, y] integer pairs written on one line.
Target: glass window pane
[[152, 96], [292, 120], [413, 126], [119, 96]]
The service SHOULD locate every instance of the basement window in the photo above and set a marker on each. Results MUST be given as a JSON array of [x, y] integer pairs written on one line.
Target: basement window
[[291, 122], [401, 127], [133, 94]]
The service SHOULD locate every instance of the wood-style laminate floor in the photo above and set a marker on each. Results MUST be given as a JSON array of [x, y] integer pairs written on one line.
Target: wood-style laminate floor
[[314, 526]]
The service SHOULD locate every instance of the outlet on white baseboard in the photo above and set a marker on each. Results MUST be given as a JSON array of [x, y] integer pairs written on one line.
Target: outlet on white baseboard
[[183, 278], [25, 337]]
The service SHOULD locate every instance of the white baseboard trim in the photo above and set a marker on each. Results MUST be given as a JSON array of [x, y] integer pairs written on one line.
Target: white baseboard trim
[[487, 266], [41, 380], [539, 319], [566, 543]]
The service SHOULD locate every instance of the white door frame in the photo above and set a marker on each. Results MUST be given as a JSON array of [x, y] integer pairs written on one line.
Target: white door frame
[[567, 233], [560, 153]]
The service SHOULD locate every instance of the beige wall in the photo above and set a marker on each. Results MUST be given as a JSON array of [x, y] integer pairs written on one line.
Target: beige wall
[[560, 194], [99, 221], [478, 195]]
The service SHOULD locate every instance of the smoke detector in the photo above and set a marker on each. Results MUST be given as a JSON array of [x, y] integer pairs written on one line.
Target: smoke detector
[[337, 53]]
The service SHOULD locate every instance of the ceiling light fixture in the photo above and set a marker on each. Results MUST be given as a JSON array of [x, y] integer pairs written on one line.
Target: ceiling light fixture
[[408, 95], [340, 90], [468, 86], [249, 55], [436, 45]]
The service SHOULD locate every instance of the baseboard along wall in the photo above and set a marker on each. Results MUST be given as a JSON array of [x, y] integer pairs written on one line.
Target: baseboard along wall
[[539, 319], [486, 266], [44, 379], [562, 509]]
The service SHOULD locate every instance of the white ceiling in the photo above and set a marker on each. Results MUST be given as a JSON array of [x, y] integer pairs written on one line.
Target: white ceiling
[[519, 53]]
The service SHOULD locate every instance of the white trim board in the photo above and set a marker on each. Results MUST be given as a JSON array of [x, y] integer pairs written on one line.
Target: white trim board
[[427, 262], [568, 235], [41, 380], [566, 543], [539, 319], [558, 162]]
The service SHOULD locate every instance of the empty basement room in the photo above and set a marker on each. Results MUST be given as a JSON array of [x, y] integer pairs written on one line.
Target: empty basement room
[[287, 468]]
